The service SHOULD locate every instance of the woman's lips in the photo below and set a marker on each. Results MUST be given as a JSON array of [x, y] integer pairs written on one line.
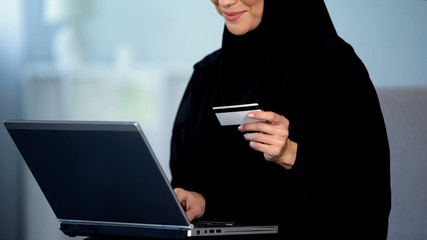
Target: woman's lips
[[233, 16]]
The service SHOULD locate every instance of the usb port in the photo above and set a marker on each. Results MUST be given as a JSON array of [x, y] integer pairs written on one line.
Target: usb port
[[218, 231], [211, 231]]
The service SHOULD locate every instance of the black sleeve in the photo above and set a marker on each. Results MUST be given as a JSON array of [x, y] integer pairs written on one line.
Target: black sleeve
[[343, 154], [184, 165], [181, 160]]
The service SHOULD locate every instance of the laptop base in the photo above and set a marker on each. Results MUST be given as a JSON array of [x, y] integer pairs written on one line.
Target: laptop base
[[110, 233]]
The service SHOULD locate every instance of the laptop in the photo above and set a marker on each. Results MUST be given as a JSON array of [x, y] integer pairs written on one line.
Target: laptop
[[103, 179]]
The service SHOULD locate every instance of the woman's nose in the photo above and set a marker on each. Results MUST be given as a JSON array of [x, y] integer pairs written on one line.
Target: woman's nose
[[227, 3]]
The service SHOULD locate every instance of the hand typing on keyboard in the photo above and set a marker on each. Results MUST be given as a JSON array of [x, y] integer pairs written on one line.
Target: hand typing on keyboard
[[193, 203]]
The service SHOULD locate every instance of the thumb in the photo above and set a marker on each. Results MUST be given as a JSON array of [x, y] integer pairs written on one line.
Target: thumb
[[181, 195], [191, 214]]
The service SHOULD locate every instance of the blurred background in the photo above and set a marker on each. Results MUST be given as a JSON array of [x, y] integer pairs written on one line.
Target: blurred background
[[131, 60]]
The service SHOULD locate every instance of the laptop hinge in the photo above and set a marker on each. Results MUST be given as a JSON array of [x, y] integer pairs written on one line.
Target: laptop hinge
[[176, 227]]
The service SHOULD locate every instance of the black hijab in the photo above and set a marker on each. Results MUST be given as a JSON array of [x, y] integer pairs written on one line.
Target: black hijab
[[254, 67], [254, 64]]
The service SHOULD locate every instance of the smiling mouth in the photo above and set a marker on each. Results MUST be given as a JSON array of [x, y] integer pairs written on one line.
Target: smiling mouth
[[233, 16]]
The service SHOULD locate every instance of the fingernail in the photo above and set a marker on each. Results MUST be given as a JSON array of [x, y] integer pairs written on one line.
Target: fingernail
[[251, 115], [240, 128]]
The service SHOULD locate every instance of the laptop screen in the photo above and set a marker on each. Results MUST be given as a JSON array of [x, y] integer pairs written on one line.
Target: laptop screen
[[97, 172]]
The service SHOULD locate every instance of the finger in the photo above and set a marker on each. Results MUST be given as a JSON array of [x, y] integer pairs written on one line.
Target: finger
[[194, 213], [270, 150], [179, 193], [257, 127], [271, 120], [182, 196], [190, 215], [268, 157], [266, 128], [266, 139], [268, 116]]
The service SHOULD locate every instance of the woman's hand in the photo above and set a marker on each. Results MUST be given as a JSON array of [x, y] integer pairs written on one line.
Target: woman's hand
[[193, 203], [271, 137]]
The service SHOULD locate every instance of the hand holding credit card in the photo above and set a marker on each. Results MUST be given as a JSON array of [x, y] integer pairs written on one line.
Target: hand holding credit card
[[236, 114]]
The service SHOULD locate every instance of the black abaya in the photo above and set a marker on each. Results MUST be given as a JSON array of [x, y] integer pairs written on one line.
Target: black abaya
[[339, 186]]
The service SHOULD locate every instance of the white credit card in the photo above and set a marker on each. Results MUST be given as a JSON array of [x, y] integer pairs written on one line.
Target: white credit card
[[236, 114]]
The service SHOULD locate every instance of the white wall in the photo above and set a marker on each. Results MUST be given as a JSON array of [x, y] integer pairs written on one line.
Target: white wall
[[389, 36], [11, 47]]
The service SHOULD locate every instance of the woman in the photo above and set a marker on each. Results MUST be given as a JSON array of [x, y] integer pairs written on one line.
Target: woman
[[318, 163]]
